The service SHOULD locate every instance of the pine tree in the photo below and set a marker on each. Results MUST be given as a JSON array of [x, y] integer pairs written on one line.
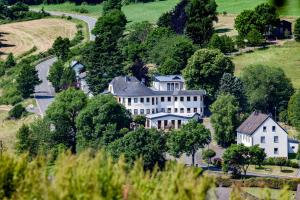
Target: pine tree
[[10, 61]]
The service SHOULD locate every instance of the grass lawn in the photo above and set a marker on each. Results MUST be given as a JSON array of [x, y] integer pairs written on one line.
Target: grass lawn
[[9, 128], [261, 192], [286, 57], [274, 170], [20, 37]]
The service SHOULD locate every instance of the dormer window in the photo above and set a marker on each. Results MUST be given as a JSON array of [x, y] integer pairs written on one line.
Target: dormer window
[[264, 129], [273, 128]]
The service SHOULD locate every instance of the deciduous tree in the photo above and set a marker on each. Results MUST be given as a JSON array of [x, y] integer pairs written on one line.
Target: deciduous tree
[[294, 110], [189, 139], [297, 30], [61, 48]]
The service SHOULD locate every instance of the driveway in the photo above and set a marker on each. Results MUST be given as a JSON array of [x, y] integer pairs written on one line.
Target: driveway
[[44, 93]]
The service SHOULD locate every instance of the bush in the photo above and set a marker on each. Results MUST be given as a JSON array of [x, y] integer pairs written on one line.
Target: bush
[[217, 162], [81, 10], [280, 161], [69, 18], [16, 112], [297, 30], [224, 43], [255, 38], [208, 154], [77, 39], [11, 96]]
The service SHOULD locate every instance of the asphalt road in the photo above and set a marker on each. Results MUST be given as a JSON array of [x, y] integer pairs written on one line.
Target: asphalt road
[[44, 93]]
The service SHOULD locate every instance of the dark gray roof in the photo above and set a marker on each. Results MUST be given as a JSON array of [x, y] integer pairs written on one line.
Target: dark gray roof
[[292, 140], [253, 122], [130, 86], [168, 78]]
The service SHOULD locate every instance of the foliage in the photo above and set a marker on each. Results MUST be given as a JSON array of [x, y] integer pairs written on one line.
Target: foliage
[[230, 84], [217, 162], [99, 123], [139, 119], [205, 69], [68, 78], [10, 61], [171, 54], [294, 110], [102, 58], [238, 157], [208, 154], [189, 139], [88, 176], [201, 15], [16, 112], [267, 88], [224, 43], [259, 19], [297, 30], [110, 5], [255, 38], [27, 79], [225, 119], [55, 74], [62, 114], [280, 161], [61, 48], [149, 144]]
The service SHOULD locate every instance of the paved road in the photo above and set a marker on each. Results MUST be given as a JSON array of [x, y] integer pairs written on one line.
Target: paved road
[[44, 93]]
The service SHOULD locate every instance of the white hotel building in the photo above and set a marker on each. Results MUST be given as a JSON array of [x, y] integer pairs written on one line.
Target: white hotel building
[[167, 104]]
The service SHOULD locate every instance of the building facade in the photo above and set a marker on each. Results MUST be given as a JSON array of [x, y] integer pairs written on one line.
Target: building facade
[[166, 96], [260, 129]]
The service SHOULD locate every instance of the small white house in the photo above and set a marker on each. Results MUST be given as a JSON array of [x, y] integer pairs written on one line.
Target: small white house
[[260, 129]]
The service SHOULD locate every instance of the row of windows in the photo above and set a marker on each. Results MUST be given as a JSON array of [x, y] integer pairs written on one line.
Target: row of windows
[[154, 101], [168, 110], [263, 139], [168, 124], [265, 129], [276, 150]]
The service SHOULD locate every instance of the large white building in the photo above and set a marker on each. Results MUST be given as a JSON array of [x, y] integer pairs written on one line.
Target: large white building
[[260, 129], [166, 104]]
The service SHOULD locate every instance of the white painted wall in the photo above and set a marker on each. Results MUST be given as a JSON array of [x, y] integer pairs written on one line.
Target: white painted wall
[[269, 144], [163, 86]]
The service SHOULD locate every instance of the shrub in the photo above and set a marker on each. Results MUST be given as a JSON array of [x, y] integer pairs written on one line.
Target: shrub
[[208, 154], [81, 10], [16, 112], [69, 18], [297, 30], [217, 162], [255, 38], [280, 161], [11, 96], [139, 119], [224, 43]]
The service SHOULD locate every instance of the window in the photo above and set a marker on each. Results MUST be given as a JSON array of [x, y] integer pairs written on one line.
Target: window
[[175, 98], [162, 99], [263, 149], [162, 110], [153, 100], [159, 124], [264, 129], [168, 86], [177, 86], [165, 123], [273, 128], [135, 100], [188, 110], [179, 123], [148, 111], [172, 86], [142, 111], [262, 139], [195, 110], [175, 110], [293, 147], [276, 151], [129, 101], [142, 100], [169, 98], [173, 123], [275, 139], [129, 110], [135, 111], [148, 100], [181, 98], [181, 110], [195, 98], [188, 98], [169, 110], [153, 111]]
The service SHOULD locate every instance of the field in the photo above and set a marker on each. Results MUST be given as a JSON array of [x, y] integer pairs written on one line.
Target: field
[[261, 192], [286, 57], [20, 37]]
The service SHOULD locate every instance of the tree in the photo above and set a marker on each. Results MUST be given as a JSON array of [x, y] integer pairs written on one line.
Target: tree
[[245, 22], [224, 43], [62, 114], [139, 119], [233, 85], [171, 54], [16, 112], [55, 74], [189, 139], [149, 144], [208, 154], [267, 88], [257, 154], [10, 61], [27, 79], [100, 121], [255, 38], [68, 78], [294, 110], [205, 70], [110, 5], [61, 48], [201, 15], [102, 58], [297, 30], [23, 143], [225, 119]]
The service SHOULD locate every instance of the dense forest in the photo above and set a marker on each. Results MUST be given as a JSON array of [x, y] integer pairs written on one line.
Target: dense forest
[[78, 2]]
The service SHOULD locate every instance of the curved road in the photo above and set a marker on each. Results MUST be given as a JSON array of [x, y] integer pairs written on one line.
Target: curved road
[[44, 93]]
